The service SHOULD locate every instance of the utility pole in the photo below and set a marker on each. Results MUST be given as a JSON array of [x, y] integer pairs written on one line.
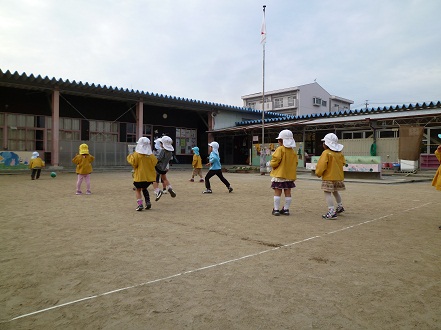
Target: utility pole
[[366, 104]]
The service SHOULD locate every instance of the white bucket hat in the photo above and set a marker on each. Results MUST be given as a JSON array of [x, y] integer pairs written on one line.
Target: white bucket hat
[[331, 141], [158, 144], [143, 146], [35, 154], [167, 143], [215, 146], [288, 140]]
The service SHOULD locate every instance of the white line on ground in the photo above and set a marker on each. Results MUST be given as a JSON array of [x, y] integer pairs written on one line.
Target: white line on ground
[[208, 267]]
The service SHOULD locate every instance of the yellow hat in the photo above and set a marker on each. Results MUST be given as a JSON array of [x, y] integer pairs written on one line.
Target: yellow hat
[[84, 149]]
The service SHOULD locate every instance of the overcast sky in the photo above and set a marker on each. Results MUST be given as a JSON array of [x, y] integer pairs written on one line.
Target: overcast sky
[[383, 51]]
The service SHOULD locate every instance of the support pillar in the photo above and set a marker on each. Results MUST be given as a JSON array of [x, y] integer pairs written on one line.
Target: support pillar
[[210, 127], [55, 156], [139, 119]]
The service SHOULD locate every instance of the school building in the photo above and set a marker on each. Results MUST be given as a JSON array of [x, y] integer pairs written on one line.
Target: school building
[[397, 134], [54, 116]]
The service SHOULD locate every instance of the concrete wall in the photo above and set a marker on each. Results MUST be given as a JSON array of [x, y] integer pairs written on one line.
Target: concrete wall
[[306, 95]]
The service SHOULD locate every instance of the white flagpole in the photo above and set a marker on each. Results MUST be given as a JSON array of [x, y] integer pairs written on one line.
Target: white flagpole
[[263, 42], [262, 148]]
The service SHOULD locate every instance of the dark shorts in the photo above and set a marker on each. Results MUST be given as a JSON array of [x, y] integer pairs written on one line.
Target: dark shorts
[[283, 185], [142, 184]]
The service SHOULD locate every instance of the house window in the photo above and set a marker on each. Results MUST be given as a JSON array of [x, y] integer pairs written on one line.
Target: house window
[[291, 100], [278, 102], [252, 105], [317, 101], [324, 103]]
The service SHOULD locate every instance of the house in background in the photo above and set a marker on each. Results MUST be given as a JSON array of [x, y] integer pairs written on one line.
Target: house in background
[[298, 101]]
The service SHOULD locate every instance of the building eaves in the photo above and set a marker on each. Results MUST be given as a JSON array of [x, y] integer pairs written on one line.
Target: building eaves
[[32, 82], [404, 111]]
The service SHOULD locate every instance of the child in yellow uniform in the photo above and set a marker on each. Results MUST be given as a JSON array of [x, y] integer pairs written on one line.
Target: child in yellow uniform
[[197, 165], [436, 182], [35, 165], [83, 160], [284, 171], [330, 169], [143, 162]]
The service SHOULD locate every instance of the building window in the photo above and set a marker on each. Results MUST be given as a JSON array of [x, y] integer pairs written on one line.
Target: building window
[[266, 99], [147, 130], [131, 132], [292, 100], [278, 102], [252, 105], [69, 129], [23, 133], [388, 133], [324, 103], [317, 101], [357, 135], [103, 131]]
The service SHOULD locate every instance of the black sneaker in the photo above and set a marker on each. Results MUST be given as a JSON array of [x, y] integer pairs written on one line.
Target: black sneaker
[[330, 216], [207, 191], [276, 212], [139, 208], [230, 189], [172, 193], [340, 209], [158, 195], [284, 212], [148, 205]]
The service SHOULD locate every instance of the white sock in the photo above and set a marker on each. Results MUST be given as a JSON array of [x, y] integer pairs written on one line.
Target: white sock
[[276, 202], [287, 203]]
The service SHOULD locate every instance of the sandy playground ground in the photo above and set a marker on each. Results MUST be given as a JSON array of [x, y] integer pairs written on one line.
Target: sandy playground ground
[[219, 261]]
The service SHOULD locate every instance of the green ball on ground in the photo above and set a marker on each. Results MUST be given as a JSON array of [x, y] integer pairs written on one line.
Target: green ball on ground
[[53, 174]]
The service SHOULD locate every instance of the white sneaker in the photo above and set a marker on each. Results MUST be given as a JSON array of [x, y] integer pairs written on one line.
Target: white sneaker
[[158, 195]]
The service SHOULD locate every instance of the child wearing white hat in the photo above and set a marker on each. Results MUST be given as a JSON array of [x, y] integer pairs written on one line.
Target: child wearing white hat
[[156, 152], [143, 162], [215, 168], [330, 169], [164, 157], [35, 164], [284, 163], [83, 160]]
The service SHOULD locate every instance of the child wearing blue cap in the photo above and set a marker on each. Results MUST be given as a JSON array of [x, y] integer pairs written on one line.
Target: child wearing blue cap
[[197, 165]]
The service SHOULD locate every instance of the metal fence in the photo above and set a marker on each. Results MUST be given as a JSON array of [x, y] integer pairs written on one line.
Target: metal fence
[[105, 153]]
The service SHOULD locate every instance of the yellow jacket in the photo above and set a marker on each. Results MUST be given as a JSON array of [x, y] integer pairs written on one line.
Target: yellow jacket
[[84, 163], [36, 163], [436, 182], [330, 166], [284, 163], [144, 166], [197, 161]]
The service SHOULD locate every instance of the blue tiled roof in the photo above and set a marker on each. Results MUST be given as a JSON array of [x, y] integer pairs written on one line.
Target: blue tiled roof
[[347, 112], [38, 82]]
